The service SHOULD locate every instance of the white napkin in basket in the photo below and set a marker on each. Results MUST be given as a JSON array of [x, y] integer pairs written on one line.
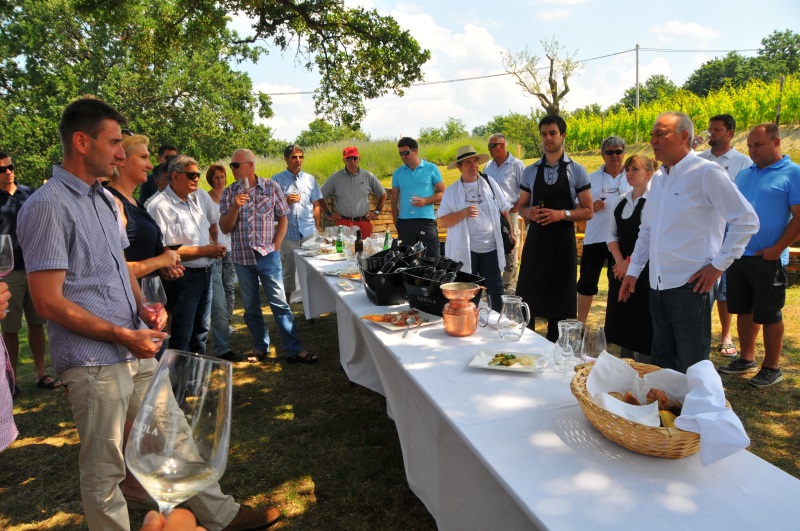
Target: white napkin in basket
[[610, 373], [704, 412]]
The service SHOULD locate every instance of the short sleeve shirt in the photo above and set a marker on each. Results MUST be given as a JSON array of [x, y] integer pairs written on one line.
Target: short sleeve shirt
[[301, 215], [577, 175], [9, 208], [352, 191], [195, 216], [419, 182], [507, 175]]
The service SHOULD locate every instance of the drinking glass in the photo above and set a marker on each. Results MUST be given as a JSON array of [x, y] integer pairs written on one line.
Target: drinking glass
[[153, 296], [594, 342], [244, 182], [173, 236], [571, 349], [178, 445], [330, 234], [6, 255]]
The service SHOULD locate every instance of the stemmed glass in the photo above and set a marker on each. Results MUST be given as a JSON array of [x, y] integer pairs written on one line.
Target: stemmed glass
[[594, 342], [244, 182], [178, 445], [173, 237], [6, 255], [153, 296], [608, 188], [330, 234]]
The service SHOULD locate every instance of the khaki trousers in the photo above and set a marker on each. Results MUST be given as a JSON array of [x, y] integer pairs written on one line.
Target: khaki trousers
[[102, 398]]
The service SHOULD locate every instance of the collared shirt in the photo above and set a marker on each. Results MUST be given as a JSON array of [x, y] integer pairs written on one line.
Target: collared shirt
[[604, 185], [8, 430], [683, 223], [507, 176], [577, 175], [9, 209], [301, 215], [352, 191], [419, 182], [255, 224], [627, 211], [732, 161], [68, 225], [195, 216], [772, 191]]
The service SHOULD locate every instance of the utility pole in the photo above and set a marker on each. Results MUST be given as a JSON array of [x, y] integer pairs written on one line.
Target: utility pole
[[636, 114]]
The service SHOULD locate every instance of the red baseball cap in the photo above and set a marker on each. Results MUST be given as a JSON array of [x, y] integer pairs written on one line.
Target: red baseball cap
[[350, 152]]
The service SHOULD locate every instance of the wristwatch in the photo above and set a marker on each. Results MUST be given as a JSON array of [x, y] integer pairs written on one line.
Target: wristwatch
[[328, 214], [568, 214]]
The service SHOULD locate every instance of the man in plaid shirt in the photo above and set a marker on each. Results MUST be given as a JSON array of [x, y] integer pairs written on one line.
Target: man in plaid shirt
[[248, 209]]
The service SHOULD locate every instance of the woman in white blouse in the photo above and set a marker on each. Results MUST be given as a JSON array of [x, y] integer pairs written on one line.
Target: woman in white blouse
[[470, 211], [628, 324]]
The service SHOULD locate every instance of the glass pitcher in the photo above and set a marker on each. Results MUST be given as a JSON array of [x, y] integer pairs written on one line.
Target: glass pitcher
[[568, 344], [514, 317]]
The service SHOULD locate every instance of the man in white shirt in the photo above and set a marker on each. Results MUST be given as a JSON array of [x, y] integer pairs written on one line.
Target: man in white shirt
[[720, 129], [608, 183], [506, 170], [683, 223]]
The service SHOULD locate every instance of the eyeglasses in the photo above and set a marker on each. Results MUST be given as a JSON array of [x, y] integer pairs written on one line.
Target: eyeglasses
[[406, 152], [9, 168], [127, 132], [296, 157], [235, 165], [614, 151], [351, 159], [493, 145], [191, 175]]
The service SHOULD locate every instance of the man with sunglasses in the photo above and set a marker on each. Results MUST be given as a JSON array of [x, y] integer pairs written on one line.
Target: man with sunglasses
[[351, 187], [608, 184], [305, 201], [12, 197], [189, 297], [416, 186], [507, 170]]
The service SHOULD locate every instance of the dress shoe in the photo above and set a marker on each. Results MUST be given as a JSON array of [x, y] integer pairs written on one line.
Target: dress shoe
[[250, 519]]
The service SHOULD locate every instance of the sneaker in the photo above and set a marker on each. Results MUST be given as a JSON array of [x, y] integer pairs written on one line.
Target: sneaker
[[739, 366], [766, 377]]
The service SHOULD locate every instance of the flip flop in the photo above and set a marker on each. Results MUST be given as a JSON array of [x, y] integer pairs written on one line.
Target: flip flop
[[49, 385], [727, 350]]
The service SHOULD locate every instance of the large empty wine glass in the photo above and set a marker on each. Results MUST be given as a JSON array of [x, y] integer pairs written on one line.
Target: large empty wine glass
[[178, 445], [6, 255], [594, 342]]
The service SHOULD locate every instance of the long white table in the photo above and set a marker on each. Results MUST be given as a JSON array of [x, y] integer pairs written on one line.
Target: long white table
[[489, 450]]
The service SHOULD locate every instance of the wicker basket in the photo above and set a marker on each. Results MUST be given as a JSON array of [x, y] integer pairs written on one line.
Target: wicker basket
[[670, 443]]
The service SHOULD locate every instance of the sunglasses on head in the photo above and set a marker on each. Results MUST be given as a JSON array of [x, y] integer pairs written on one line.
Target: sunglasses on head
[[127, 132], [235, 165], [614, 151], [191, 175], [406, 152], [4, 169], [492, 145]]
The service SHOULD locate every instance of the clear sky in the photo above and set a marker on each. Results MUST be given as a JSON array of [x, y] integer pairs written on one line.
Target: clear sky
[[466, 39]]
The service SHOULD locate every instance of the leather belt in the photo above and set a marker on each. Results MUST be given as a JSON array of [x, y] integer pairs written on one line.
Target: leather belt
[[358, 218]]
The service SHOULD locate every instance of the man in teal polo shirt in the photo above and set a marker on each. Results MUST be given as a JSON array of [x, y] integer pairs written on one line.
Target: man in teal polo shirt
[[416, 186]]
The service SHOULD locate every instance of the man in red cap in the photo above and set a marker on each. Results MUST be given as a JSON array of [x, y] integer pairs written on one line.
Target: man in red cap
[[351, 187]]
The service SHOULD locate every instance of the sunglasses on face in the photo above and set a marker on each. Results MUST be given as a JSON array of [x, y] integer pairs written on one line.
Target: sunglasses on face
[[4, 169], [235, 165], [614, 151], [493, 145], [191, 175], [351, 159], [406, 152]]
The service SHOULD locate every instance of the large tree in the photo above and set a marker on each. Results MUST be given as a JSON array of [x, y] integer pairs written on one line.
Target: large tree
[[781, 49], [656, 87], [169, 65], [321, 132], [543, 81], [452, 129], [734, 70]]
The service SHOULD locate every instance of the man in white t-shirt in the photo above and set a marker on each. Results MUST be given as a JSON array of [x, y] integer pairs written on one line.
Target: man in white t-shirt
[[721, 129]]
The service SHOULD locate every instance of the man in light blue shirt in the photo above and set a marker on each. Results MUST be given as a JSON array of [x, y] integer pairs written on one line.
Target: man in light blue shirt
[[304, 199], [416, 186]]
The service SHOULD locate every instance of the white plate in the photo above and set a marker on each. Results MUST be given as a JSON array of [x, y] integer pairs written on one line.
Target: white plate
[[322, 251], [343, 273], [483, 357], [335, 257], [428, 319]]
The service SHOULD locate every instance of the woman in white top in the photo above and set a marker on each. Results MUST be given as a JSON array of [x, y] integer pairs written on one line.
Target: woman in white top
[[470, 211], [629, 324]]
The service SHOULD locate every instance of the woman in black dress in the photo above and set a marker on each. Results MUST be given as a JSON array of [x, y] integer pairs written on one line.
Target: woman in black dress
[[628, 324]]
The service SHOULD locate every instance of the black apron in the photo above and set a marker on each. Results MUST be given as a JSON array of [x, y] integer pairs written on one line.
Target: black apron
[[548, 269], [628, 324]]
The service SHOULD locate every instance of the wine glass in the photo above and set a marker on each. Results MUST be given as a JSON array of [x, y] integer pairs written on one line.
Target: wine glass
[[173, 236], [594, 342], [153, 296], [6, 255], [244, 182], [178, 444]]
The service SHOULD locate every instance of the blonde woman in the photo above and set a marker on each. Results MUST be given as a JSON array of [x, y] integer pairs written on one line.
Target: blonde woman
[[629, 324]]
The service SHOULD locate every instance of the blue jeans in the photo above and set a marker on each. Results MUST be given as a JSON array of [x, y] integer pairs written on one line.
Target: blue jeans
[[268, 270], [189, 300], [485, 265], [681, 326], [219, 312]]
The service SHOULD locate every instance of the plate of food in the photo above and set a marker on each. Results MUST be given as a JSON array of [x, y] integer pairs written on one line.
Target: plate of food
[[321, 251], [352, 274], [332, 257], [509, 361], [399, 320]]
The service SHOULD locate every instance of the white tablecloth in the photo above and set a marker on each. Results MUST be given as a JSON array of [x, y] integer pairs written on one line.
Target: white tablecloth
[[490, 450]]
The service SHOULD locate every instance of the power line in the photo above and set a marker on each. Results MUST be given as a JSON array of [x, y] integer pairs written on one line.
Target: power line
[[488, 76]]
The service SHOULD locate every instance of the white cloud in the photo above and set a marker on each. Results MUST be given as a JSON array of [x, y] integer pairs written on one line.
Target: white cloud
[[553, 14], [679, 31]]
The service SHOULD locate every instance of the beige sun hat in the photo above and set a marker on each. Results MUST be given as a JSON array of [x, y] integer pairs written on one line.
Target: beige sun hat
[[465, 152]]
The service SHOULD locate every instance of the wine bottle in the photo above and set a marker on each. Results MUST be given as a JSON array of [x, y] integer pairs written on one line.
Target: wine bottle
[[358, 246], [391, 258], [431, 269], [340, 240], [451, 275], [419, 246]]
